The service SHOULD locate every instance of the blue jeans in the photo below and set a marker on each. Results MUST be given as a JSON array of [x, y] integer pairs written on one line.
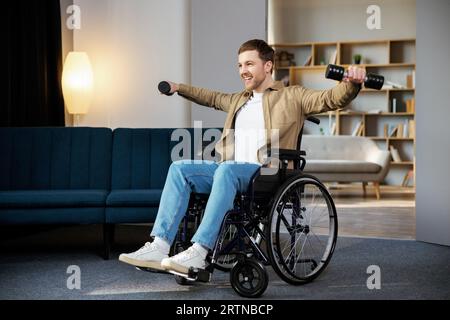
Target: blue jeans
[[222, 181]]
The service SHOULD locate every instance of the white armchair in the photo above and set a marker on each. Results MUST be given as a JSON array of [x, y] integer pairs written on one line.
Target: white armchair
[[346, 159]]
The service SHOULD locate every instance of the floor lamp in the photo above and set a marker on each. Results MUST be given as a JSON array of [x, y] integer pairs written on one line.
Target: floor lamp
[[77, 84]]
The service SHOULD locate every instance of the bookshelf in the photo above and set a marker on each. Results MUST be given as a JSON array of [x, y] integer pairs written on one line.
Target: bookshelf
[[386, 116]]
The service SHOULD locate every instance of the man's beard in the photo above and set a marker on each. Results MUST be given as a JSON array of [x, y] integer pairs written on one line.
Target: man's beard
[[253, 84]]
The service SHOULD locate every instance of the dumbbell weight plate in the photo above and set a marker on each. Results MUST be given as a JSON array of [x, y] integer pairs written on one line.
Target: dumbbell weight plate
[[335, 72], [164, 88], [374, 81]]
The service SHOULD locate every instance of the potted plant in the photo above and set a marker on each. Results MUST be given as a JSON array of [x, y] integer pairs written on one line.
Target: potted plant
[[357, 58]]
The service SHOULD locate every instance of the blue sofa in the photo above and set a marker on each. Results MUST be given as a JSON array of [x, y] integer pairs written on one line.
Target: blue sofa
[[83, 176]]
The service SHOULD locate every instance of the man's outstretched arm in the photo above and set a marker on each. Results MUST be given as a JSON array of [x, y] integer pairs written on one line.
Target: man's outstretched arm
[[318, 101], [217, 100]]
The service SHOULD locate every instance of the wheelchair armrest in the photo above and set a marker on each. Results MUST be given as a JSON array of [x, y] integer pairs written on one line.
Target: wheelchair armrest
[[288, 154]]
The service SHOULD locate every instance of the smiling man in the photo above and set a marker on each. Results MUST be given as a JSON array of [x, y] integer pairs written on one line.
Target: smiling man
[[263, 106]]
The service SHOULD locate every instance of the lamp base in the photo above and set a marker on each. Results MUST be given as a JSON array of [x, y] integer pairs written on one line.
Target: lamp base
[[76, 120]]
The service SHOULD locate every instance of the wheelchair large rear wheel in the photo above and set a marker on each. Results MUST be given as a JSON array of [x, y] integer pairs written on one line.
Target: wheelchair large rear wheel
[[302, 229]]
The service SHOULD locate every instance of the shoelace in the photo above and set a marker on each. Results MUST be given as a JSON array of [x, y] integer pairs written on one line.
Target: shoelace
[[147, 245]]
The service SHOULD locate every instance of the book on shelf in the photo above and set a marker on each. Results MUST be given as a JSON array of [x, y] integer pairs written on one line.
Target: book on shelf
[[411, 105], [409, 81], [393, 131], [412, 129], [308, 61], [394, 105], [392, 85], [358, 130], [400, 130], [395, 155], [386, 130], [409, 176], [333, 58], [333, 129]]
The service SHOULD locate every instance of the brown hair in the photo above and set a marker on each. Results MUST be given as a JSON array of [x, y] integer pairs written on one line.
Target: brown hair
[[266, 53]]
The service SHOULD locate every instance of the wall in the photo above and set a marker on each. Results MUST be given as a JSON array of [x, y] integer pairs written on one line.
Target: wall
[[338, 20], [133, 45], [67, 43], [66, 33], [218, 29], [433, 131]]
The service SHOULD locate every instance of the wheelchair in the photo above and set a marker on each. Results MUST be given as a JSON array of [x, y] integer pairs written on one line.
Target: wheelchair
[[287, 221]]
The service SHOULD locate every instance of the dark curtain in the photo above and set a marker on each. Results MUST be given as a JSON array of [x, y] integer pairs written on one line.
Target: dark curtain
[[33, 65]]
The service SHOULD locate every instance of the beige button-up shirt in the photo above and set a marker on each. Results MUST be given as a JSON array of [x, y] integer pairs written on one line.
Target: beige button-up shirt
[[285, 109]]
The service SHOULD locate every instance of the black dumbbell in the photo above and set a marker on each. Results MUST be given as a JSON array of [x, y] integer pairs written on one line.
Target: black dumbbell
[[164, 88], [373, 81]]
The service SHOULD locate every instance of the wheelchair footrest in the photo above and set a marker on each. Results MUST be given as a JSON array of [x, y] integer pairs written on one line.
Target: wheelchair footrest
[[195, 274]]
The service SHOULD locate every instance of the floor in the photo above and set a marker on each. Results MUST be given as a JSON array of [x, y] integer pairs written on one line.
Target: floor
[[391, 217], [372, 232], [407, 270]]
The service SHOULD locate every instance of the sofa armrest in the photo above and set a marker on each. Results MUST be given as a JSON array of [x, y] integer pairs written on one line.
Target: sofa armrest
[[382, 158], [378, 156]]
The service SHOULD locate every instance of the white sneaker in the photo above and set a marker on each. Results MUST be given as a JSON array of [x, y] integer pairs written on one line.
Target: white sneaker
[[149, 256], [184, 260]]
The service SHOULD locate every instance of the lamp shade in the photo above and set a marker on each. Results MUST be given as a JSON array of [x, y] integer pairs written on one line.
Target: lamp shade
[[77, 82]]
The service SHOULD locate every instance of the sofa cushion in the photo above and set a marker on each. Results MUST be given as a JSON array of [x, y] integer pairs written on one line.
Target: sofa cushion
[[53, 198], [341, 166], [134, 198], [351, 148], [55, 158], [140, 158]]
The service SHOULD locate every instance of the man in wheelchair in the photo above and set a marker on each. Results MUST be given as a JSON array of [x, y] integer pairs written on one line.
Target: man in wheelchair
[[264, 105]]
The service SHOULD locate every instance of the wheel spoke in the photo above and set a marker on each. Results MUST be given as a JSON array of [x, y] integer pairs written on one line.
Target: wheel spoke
[[304, 240]]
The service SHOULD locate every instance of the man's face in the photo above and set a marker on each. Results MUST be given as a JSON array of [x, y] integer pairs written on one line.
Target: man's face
[[253, 70]]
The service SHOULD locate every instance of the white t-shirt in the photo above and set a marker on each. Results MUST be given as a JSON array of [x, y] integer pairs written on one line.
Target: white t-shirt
[[250, 133]]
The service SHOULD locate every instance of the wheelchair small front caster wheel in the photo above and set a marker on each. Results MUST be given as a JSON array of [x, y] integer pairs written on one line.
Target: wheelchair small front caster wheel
[[249, 278], [182, 281]]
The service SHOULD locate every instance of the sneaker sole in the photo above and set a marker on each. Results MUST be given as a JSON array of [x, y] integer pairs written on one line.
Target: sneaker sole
[[143, 264], [172, 266]]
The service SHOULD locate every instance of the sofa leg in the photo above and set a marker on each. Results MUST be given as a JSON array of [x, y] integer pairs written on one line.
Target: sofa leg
[[108, 239], [377, 190], [364, 185]]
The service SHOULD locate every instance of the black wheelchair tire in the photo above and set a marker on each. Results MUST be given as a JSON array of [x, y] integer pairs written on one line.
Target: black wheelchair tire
[[291, 278]]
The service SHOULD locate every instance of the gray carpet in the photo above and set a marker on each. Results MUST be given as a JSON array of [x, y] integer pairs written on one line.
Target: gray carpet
[[33, 265]]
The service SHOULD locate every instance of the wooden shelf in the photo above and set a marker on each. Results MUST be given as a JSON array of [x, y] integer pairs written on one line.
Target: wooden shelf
[[359, 113], [403, 163], [387, 90], [395, 138], [391, 114], [309, 67], [352, 113], [391, 138], [324, 66], [383, 65], [394, 59]]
